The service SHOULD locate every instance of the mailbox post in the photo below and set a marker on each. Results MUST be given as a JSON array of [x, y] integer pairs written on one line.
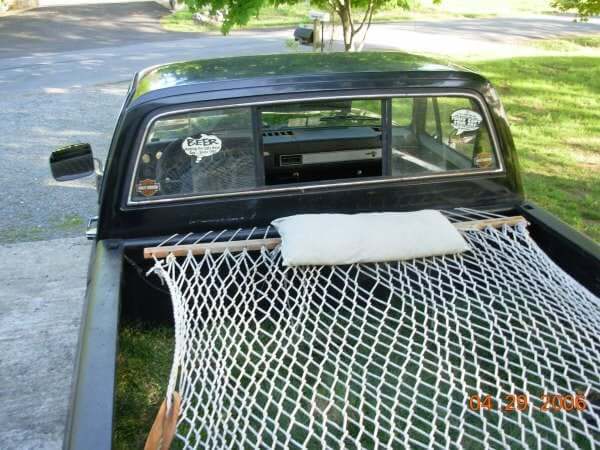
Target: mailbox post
[[319, 20]]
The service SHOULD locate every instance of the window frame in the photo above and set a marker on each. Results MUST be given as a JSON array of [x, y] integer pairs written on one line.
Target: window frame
[[386, 177]]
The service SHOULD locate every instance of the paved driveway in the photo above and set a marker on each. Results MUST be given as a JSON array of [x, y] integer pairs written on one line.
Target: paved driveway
[[40, 311], [79, 27]]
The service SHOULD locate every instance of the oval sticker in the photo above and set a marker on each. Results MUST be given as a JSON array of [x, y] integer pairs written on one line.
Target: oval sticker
[[148, 187], [201, 147], [464, 120]]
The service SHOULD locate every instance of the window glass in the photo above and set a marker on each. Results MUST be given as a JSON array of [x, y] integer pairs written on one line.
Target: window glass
[[402, 111], [446, 134], [224, 151], [321, 141], [323, 114], [203, 152]]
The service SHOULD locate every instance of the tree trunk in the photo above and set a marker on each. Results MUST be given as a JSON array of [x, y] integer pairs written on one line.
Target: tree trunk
[[346, 20]]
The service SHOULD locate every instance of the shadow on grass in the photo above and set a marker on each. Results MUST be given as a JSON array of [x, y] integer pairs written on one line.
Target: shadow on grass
[[554, 106], [143, 364]]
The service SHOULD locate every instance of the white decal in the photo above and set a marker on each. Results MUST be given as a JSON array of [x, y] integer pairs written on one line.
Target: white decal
[[201, 147], [464, 120]]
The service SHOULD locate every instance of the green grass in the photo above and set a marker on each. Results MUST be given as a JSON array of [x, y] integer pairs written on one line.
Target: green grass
[[553, 106], [569, 44], [67, 223], [19, 234], [143, 366]]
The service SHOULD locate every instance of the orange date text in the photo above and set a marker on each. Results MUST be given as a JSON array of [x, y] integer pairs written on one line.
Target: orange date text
[[521, 403]]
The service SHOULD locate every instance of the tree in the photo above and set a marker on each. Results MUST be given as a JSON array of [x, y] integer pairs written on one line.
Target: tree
[[584, 8], [354, 25]]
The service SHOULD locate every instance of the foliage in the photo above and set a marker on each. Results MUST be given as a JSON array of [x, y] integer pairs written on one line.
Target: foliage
[[355, 16], [584, 8], [270, 16]]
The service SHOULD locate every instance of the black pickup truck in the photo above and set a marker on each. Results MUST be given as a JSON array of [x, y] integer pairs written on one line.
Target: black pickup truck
[[229, 145]]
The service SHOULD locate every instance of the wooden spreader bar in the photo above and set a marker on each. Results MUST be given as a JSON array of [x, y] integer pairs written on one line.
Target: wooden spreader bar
[[271, 243]]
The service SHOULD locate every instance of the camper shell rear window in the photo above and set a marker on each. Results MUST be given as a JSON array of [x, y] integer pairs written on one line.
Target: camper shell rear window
[[237, 150]]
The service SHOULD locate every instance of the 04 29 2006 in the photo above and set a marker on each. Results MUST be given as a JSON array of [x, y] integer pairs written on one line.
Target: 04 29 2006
[[522, 402]]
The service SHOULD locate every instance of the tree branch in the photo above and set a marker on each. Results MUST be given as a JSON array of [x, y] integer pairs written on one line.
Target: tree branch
[[368, 15], [362, 43], [348, 4], [336, 5]]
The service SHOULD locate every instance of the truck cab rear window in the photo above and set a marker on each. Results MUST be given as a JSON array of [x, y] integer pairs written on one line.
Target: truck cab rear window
[[321, 141], [233, 150]]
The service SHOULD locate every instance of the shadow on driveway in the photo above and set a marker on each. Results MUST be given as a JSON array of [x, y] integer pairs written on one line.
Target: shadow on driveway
[[80, 27]]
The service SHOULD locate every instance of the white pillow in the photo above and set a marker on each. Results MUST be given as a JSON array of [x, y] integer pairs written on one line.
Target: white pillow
[[336, 239]]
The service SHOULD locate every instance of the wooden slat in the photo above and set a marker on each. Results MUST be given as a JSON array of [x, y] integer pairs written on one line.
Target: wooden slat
[[270, 243], [494, 223], [163, 429], [214, 247]]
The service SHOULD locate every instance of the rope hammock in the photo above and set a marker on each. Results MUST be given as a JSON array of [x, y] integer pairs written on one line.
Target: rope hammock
[[426, 353]]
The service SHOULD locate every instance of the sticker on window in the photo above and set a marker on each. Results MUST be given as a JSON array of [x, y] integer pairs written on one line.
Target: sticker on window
[[148, 187], [484, 160], [201, 147], [465, 120]]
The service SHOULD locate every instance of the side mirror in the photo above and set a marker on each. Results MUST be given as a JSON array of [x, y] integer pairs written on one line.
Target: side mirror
[[72, 162]]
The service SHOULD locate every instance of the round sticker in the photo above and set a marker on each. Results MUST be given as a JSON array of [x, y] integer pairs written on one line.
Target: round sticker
[[464, 120], [201, 147], [148, 187]]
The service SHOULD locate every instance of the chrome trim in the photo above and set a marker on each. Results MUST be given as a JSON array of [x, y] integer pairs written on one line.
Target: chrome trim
[[283, 160], [301, 187], [332, 156]]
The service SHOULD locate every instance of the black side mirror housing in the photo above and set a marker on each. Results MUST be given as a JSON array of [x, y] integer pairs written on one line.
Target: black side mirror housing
[[72, 162]]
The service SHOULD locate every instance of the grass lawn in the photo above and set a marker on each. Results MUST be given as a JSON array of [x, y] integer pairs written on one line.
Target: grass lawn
[[292, 15], [144, 362], [553, 105], [570, 44]]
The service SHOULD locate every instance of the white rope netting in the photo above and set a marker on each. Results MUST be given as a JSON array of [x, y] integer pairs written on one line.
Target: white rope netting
[[385, 355]]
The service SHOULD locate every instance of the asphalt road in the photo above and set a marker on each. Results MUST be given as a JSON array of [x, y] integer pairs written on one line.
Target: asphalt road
[[80, 27], [64, 72]]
